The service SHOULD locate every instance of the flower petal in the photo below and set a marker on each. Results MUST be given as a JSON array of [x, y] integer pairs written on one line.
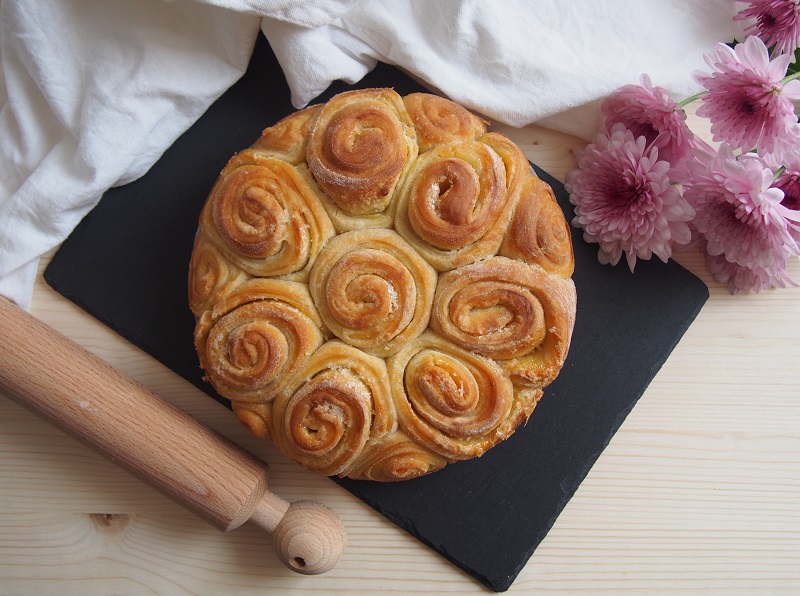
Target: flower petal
[[624, 200]]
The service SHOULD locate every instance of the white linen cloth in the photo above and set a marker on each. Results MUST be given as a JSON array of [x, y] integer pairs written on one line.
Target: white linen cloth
[[93, 91]]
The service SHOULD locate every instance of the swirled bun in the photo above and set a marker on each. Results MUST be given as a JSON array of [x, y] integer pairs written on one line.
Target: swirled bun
[[381, 286]]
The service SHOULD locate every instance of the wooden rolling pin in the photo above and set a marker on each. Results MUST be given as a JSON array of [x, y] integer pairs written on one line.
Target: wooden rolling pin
[[157, 442]]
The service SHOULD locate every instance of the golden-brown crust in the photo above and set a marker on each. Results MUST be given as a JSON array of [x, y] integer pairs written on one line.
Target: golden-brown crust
[[373, 290], [538, 232], [395, 457], [509, 311], [211, 275], [337, 401], [455, 203], [376, 312], [516, 165], [256, 417], [288, 138], [253, 341], [438, 120], [448, 399], [360, 146], [264, 217]]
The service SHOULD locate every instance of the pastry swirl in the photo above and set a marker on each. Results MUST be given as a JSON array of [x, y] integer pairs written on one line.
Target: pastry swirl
[[516, 165], [264, 217], [449, 399], [360, 146], [372, 290], [438, 120], [255, 416], [455, 203], [287, 140], [337, 401], [395, 457], [381, 286], [252, 342], [538, 232], [511, 312], [211, 275]]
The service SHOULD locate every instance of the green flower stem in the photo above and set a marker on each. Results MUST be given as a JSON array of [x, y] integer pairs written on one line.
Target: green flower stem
[[791, 77], [692, 98]]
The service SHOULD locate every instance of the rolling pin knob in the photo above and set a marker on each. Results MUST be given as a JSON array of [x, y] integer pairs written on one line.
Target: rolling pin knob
[[310, 538]]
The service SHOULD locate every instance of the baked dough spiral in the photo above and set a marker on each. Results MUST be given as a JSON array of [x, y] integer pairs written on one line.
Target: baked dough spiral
[[538, 232], [395, 457], [253, 341], [449, 399], [361, 144], [338, 401], [288, 138], [255, 416], [372, 290], [265, 217], [438, 120], [382, 287], [516, 165], [211, 275], [509, 311], [455, 203]]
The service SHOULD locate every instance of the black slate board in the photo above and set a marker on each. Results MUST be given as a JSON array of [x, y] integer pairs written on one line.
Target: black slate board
[[126, 264]]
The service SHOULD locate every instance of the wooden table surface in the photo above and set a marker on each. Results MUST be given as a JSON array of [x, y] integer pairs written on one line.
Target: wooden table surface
[[698, 491]]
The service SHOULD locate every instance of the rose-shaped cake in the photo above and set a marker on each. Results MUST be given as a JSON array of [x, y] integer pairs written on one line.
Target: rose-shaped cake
[[381, 286]]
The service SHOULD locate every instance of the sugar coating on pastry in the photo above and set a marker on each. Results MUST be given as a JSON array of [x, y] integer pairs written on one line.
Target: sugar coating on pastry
[[382, 287]]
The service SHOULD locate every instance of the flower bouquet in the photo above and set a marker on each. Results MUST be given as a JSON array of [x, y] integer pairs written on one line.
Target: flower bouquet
[[647, 185]]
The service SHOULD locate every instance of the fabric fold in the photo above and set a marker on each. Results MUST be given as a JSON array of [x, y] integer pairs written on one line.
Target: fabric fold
[[95, 92]]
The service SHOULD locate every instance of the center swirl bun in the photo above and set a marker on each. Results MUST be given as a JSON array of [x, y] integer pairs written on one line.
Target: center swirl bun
[[372, 290], [382, 286]]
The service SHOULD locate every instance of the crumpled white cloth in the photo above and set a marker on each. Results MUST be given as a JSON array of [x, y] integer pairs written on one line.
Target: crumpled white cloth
[[93, 91]]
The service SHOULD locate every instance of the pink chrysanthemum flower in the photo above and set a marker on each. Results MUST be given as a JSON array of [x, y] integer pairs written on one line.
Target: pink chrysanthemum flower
[[789, 182], [775, 22], [650, 112], [744, 279], [624, 200], [740, 217], [746, 103], [698, 156]]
